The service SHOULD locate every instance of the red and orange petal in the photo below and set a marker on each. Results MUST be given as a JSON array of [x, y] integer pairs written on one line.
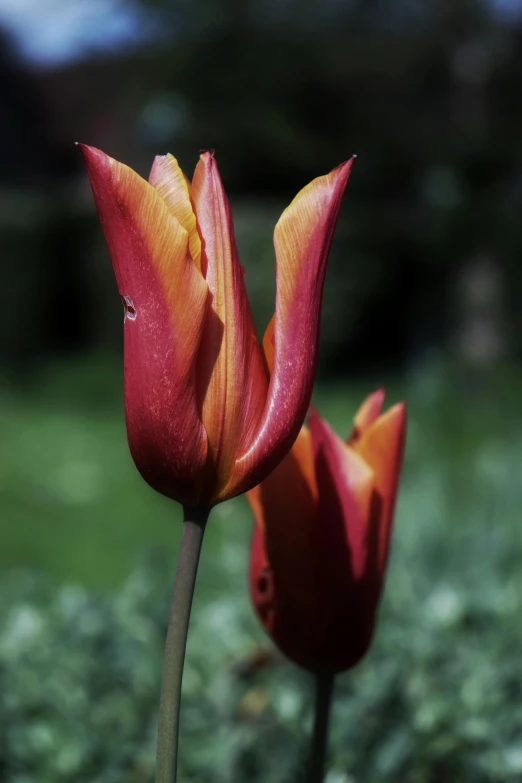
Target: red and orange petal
[[232, 383], [345, 484], [302, 240], [172, 185], [382, 447], [314, 579], [267, 347], [290, 491], [260, 579], [285, 510], [157, 276], [368, 413]]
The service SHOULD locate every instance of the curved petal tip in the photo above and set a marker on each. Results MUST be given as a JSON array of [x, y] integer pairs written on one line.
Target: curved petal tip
[[207, 157], [340, 175], [95, 160], [344, 169], [398, 412], [368, 412]]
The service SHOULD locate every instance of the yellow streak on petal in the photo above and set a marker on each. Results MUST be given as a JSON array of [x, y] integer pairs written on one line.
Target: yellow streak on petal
[[302, 240], [303, 453], [231, 378], [149, 250], [169, 181], [305, 229], [185, 289], [359, 477], [382, 447]]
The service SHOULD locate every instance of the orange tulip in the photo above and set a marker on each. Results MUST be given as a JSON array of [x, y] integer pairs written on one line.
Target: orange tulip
[[322, 534], [205, 421]]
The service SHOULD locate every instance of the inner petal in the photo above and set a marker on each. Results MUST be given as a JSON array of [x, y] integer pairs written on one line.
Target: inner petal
[[231, 379], [173, 187]]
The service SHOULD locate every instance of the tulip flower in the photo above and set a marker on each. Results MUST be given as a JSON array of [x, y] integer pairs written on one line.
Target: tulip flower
[[205, 421], [322, 535]]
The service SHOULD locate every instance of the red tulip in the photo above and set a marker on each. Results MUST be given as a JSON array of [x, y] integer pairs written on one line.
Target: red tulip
[[322, 534], [205, 421]]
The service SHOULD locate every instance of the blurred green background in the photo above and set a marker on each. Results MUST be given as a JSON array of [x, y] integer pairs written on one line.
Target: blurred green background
[[422, 296]]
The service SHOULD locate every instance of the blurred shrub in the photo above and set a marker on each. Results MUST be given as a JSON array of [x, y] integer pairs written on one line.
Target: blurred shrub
[[437, 699]]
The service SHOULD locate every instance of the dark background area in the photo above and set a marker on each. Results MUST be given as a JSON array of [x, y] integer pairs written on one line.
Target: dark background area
[[422, 295], [427, 94]]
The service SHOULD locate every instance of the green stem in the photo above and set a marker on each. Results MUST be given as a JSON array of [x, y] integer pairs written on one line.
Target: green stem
[[323, 700], [194, 524]]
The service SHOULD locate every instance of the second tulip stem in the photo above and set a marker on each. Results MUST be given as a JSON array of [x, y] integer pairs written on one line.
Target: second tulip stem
[[168, 719], [323, 701]]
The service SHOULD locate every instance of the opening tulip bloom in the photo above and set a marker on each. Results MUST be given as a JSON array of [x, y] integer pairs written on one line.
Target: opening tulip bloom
[[205, 421], [321, 539]]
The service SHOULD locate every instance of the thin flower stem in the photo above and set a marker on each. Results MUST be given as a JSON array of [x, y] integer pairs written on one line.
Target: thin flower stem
[[194, 524], [323, 700]]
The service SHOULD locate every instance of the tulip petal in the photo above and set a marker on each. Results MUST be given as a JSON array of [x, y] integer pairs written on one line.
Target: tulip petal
[[260, 579], [345, 484], [167, 296], [170, 182], [232, 383], [302, 240], [267, 346], [285, 507], [298, 465], [382, 447], [368, 413]]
